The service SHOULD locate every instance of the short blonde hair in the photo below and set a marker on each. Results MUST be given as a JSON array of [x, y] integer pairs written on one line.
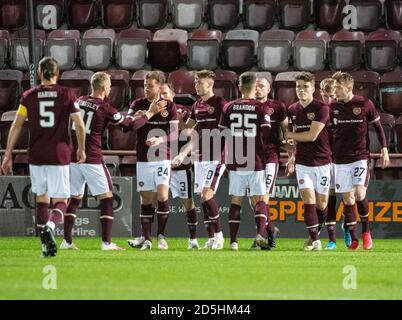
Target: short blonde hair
[[327, 85], [98, 80], [158, 76], [205, 74], [343, 77]]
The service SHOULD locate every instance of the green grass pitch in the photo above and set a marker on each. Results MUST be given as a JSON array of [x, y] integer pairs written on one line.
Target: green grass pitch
[[284, 273]]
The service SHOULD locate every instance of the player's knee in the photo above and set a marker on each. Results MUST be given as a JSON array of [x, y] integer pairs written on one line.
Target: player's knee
[[360, 195], [206, 194], [236, 200], [349, 199], [188, 204]]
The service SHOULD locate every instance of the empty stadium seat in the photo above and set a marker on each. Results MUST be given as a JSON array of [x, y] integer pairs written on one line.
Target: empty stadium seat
[[78, 80], [391, 92], [152, 14], [225, 84], [10, 81], [63, 46], [398, 134], [294, 14], [275, 50], [346, 49], [4, 46], [203, 48], [393, 14], [82, 14], [244, 34], [7, 119], [131, 48], [19, 52], [366, 84], [259, 14], [328, 14], [117, 14], [183, 86], [119, 91], [167, 48], [388, 123], [187, 14], [137, 84], [26, 81], [12, 14], [127, 166], [368, 14], [223, 14], [284, 87], [49, 14], [97, 49], [310, 50], [382, 50]]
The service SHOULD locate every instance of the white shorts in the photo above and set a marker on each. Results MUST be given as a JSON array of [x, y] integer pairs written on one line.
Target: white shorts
[[152, 174], [332, 183], [247, 183], [55, 180], [351, 174], [207, 174], [181, 184], [316, 178], [271, 173], [97, 177]]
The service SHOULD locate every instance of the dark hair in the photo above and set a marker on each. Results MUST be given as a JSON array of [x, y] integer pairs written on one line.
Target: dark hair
[[247, 80], [49, 67], [306, 77]]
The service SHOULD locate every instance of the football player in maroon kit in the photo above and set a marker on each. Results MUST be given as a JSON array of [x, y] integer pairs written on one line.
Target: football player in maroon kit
[[153, 160], [97, 114], [351, 116], [209, 167], [246, 122], [48, 108], [310, 119]]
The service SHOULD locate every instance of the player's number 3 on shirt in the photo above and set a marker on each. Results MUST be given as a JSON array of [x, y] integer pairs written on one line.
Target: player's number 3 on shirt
[[87, 116]]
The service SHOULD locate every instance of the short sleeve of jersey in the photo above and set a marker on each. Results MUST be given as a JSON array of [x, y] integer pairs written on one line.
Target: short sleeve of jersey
[[192, 113], [322, 114], [72, 101], [371, 112], [265, 118], [224, 121], [282, 112], [113, 115], [133, 107], [173, 112]]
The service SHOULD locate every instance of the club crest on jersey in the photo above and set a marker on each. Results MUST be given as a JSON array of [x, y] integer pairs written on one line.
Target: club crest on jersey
[[141, 183], [337, 186], [270, 111], [301, 181], [164, 113], [357, 111], [210, 110], [310, 116]]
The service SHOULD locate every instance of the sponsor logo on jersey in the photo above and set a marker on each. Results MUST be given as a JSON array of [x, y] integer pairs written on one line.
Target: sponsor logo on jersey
[[357, 111], [267, 118], [164, 113], [310, 116], [335, 121]]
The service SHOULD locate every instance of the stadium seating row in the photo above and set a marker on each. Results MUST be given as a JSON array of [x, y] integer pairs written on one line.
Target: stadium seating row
[[191, 14], [385, 91]]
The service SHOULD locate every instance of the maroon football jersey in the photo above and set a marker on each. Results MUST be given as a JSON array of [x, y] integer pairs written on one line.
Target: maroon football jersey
[[318, 152], [163, 122], [207, 115], [245, 118], [277, 113], [182, 143], [350, 134], [97, 114], [49, 109]]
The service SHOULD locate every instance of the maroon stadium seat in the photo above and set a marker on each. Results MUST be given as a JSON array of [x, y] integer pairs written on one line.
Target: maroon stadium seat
[[49, 14], [19, 52], [119, 140], [393, 14], [7, 119], [382, 48], [310, 50], [398, 134], [366, 84], [10, 81], [368, 14], [131, 48], [20, 165], [82, 14], [223, 14], [346, 49], [328, 14], [119, 92], [63, 45], [26, 81], [392, 172], [137, 84], [259, 14], [4, 46], [127, 166], [97, 49], [284, 87], [275, 50], [152, 14], [388, 123], [12, 14], [167, 48], [225, 84], [117, 14], [294, 14], [203, 48], [391, 92], [183, 86], [187, 14], [78, 80]]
